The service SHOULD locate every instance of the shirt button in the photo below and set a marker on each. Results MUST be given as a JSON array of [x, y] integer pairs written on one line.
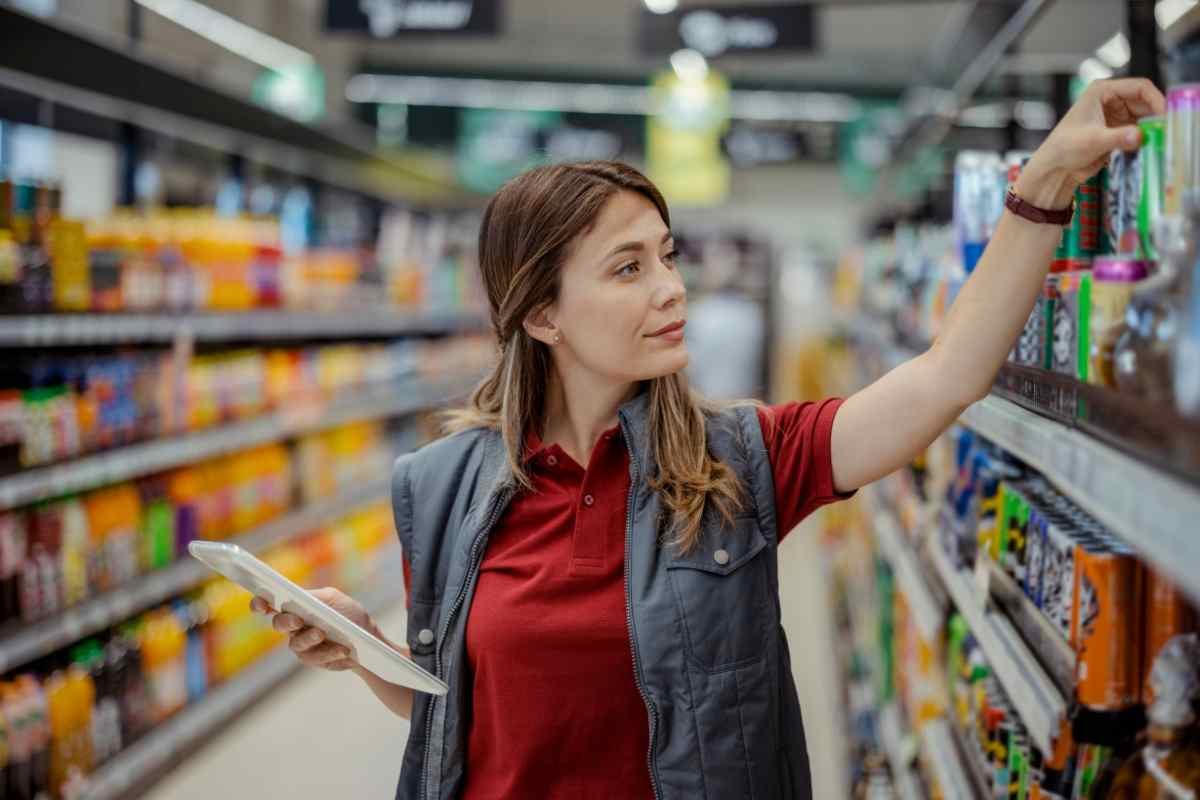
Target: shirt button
[[721, 557], [588, 500], [552, 460], [425, 636]]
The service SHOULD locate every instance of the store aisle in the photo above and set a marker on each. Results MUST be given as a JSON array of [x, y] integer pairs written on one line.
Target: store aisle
[[334, 740], [318, 737]]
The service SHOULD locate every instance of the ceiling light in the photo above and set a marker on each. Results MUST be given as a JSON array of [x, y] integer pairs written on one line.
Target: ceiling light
[[1167, 12], [225, 31], [1092, 69], [689, 65], [1115, 52], [588, 98], [661, 6]]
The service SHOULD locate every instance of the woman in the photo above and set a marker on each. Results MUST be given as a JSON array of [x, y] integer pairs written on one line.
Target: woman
[[591, 557]]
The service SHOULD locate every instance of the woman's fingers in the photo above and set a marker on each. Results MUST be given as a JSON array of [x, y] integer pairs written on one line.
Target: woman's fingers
[[287, 623], [260, 606], [1138, 95], [306, 639]]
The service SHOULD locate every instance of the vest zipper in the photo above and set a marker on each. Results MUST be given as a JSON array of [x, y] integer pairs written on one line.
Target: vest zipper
[[476, 557], [637, 659]]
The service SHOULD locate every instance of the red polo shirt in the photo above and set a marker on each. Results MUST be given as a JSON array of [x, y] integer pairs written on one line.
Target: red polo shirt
[[556, 710]]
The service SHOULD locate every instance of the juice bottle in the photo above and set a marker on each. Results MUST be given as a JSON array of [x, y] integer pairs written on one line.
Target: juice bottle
[[163, 660], [115, 517], [15, 707], [13, 548], [74, 552], [39, 724], [184, 489], [242, 476], [157, 525]]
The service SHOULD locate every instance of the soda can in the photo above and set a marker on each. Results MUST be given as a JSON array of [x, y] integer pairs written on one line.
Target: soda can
[[1167, 614], [1058, 573], [1152, 165], [1035, 548], [1183, 149], [1081, 239], [1113, 279], [1122, 185], [1105, 623]]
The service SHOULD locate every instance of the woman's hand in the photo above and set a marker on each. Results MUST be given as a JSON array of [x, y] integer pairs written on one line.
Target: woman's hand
[[1104, 119], [309, 642]]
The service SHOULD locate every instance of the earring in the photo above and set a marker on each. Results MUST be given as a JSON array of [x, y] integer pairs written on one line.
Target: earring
[[558, 338]]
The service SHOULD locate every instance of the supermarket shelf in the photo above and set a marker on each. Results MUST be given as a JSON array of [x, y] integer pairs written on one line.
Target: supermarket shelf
[[140, 764], [900, 751], [46, 636], [137, 460], [1037, 699], [106, 81], [976, 769], [1053, 650], [928, 610], [73, 330], [1152, 511], [937, 742]]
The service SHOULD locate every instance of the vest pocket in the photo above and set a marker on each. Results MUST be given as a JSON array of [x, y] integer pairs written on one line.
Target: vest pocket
[[721, 590]]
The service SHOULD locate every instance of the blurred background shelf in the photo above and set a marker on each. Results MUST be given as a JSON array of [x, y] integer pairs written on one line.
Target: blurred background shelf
[[900, 747], [926, 604], [142, 459], [78, 330], [937, 741], [43, 637], [138, 765]]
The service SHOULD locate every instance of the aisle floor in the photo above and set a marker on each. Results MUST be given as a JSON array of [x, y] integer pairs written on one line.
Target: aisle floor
[[323, 736]]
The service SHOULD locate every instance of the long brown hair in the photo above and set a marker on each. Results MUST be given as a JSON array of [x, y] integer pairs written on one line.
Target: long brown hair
[[527, 230]]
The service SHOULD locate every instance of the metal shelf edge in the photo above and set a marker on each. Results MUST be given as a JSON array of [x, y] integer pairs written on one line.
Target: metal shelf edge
[[944, 760], [928, 611]]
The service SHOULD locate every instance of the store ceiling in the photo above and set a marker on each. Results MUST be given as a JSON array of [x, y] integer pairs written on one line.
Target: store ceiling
[[865, 46]]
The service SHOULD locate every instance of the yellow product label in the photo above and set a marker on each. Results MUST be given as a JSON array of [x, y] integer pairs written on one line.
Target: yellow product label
[[69, 268], [1110, 299]]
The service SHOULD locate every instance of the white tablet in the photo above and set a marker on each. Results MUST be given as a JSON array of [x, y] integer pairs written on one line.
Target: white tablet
[[261, 580]]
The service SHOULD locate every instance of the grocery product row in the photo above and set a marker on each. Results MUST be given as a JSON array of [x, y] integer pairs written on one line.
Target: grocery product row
[[55, 407], [217, 259], [68, 719]]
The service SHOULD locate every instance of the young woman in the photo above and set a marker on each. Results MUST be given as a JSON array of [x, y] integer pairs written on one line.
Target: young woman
[[591, 558]]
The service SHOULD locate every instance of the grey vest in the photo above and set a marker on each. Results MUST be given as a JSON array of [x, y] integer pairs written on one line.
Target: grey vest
[[710, 657]]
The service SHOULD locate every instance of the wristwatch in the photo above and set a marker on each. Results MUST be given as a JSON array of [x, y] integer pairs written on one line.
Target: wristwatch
[[1042, 216]]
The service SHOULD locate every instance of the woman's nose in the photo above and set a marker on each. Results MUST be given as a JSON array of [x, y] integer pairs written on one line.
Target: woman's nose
[[670, 290]]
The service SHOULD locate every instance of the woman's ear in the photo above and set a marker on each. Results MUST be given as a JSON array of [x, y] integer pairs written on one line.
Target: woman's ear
[[540, 326]]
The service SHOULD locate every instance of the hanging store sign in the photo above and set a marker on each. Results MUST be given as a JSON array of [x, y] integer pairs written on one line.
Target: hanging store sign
[[720, 30], [385, 19]]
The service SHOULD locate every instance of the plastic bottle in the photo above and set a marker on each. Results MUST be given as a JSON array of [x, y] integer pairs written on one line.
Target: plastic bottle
[[74, 553]]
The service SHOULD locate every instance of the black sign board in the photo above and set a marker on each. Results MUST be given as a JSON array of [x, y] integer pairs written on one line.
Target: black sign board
[[718, 30], [385, 19]]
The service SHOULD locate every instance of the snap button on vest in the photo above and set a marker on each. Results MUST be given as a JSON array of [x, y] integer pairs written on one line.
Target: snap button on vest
[[425, 636], [721, 557]]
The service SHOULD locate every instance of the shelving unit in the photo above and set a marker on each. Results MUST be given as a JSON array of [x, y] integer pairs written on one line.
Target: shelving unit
[[975, 767], [928, 609], [937, 742], [901, 750], [156, 752], [46, 636], [1151, 510], [72, 330], [1039, 702], [146, 458]]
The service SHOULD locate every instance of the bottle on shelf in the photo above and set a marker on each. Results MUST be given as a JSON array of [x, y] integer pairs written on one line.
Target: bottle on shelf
[[1168, 765]]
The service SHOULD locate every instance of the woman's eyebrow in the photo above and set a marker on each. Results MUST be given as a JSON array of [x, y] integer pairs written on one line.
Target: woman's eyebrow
[[632, 247]]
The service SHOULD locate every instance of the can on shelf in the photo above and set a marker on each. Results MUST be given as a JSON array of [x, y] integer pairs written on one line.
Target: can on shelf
[[1183, 148], [1152, 166], [1081, 239], [1167, 614], [1113, 279], [1105, 622], [1122, 183]]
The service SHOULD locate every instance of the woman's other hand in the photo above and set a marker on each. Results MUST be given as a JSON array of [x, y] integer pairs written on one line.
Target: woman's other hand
[[1103, 120]]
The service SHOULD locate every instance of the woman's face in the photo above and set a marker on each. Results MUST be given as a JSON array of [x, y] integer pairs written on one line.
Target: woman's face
[[621, 301]]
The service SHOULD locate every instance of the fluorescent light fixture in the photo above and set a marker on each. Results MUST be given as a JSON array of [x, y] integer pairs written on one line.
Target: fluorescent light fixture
[[661, 6], [984, 115], [1115, 52], [1092, 69], [225, 31], [689, 65], [1167, 12], [587, 98]]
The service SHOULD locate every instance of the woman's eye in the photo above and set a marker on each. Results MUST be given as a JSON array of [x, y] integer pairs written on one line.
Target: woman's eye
[[628, 269], [669, 258]]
